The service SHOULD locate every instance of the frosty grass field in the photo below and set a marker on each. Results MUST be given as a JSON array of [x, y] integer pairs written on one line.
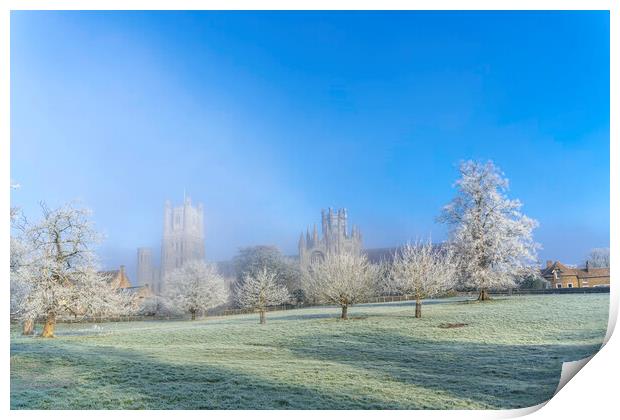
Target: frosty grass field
[[508, 355]]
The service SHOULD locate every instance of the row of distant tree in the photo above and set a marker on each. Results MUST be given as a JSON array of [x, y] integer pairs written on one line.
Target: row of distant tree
[[267, 279], [598, 258], [490, 245]]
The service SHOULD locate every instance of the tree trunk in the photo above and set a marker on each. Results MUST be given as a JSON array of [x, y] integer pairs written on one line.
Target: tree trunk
[[418, 308], [262, 316], [48, 328], [28, 327], [193, 315], [484, 295], [344, 312]]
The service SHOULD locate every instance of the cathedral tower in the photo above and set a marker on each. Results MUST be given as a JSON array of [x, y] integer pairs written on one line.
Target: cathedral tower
[[183, 238], [335, 238]]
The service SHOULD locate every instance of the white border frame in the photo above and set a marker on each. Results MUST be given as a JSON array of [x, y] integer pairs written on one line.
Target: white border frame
[[592, 395]]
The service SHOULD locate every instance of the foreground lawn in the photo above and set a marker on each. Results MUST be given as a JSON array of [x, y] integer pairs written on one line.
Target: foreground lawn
[[508, 355]]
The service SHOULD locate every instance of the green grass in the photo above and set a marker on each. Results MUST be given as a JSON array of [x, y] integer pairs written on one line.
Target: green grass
[[508, 355]]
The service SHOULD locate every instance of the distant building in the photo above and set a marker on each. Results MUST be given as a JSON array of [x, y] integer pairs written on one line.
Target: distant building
[[182, 241], [183, 238], [117, 278], [335, 238], [140, 292], [146, 270], [562, 276]]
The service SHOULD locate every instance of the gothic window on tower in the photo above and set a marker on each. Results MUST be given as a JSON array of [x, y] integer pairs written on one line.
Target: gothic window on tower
[[317, 257]]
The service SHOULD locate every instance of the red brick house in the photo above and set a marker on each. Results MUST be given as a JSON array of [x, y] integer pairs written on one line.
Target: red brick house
[[560, 275], [119, 280]]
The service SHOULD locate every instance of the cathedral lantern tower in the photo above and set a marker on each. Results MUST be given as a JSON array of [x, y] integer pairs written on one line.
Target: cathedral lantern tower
[[335, 238]]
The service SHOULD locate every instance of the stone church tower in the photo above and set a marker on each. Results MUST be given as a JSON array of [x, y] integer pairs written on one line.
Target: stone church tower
[[145, 267], [335, 238], [183, 239]]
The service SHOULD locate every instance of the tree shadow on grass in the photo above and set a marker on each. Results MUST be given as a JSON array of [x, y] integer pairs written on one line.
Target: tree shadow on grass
[[66, 375], [109, 378], [499, 376]]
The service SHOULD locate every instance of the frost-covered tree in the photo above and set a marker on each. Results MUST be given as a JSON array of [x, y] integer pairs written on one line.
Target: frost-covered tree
[[598, 258], [422, 270], [259, 291], [59, 269], [154, 305], [96, 295], [490, 236], [195, 287], [14, 210], [19, 289], [342, 279], [252, 260]]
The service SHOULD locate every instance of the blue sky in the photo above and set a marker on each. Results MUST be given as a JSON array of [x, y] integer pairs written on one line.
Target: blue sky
[[267, 117]]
